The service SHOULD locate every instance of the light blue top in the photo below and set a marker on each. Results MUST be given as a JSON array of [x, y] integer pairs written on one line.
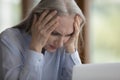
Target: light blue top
[[21, 63]]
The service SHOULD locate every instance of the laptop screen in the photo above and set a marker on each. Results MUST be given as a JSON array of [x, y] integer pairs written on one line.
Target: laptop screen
[[106, 71]]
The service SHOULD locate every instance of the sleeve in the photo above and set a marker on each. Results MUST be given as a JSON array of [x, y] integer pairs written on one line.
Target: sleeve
[[71, 59], [17, 67]]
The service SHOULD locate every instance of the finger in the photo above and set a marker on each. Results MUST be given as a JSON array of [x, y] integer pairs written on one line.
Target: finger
[[76, 28], [52, 22], [34, 21], [52, 28], [43, 16], [78, 21], [49, 17], [76, 32]]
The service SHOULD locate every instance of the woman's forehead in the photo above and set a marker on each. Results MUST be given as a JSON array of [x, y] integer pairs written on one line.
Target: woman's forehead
[[65, 25]]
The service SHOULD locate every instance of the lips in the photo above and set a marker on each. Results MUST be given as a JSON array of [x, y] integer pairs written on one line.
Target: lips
[[52, 47]]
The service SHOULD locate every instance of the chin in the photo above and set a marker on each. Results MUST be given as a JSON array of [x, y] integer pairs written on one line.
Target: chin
[[50, 50]]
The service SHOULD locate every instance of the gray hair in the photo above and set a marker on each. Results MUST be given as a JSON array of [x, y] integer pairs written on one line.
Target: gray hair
[[63, 7]]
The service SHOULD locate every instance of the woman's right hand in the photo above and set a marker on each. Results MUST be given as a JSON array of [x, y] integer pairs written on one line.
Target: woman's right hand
[[42, 28]]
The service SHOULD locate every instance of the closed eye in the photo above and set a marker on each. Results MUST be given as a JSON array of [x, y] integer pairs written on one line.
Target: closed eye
[[69, 35], [54, 33]]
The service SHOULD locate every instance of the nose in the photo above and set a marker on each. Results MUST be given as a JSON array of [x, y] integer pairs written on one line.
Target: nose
[[60, 42]]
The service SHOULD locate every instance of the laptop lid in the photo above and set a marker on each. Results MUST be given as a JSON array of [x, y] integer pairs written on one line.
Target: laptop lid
[[106, 71]]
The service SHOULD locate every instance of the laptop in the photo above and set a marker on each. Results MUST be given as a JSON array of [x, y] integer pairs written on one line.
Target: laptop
[[102, 71]]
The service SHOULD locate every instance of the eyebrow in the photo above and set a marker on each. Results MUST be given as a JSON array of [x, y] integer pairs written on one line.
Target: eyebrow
[[59, 34]]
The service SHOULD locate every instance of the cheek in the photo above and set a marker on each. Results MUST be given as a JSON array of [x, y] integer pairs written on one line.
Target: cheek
[[51, 39], [66, 39]]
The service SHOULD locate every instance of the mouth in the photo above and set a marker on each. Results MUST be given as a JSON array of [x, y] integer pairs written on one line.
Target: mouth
[[53, 47]]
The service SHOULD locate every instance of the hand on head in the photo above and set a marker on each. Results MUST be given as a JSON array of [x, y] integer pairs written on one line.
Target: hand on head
[[71, 45], [42, 28]]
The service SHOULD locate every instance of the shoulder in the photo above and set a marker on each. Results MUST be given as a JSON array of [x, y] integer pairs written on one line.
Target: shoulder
[[11, 36], [9, 33]]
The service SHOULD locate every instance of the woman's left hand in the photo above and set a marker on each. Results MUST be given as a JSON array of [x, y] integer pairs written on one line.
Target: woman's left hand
[[71, 45]]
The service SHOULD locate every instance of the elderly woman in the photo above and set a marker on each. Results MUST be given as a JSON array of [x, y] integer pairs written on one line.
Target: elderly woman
[[43, 46]]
